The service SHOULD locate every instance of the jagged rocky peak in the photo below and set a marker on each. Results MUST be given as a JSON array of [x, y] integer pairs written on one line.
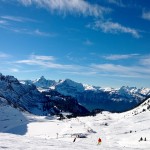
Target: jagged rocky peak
[[129, 90], [42, 82], [41, 78], [134, 90]]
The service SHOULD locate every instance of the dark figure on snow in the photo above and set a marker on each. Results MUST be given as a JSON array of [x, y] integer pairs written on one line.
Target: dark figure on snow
[[74, 139], [141, 139]]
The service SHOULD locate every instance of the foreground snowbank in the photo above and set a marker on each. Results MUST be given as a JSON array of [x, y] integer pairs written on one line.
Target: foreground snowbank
[[118, 131]]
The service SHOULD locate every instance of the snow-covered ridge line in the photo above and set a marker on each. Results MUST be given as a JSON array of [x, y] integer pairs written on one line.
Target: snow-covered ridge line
[[93, 97], [42, 82]]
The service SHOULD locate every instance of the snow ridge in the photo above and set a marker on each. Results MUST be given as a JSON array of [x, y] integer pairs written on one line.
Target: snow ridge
[[93, 97]]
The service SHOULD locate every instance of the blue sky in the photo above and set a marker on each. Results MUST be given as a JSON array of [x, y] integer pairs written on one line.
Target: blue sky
[[98, 42]]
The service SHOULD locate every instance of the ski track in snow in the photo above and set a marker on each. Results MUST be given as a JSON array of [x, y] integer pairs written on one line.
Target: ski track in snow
[[20, 131]]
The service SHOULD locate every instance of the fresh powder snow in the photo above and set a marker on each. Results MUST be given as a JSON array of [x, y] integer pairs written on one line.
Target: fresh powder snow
[[122, 131]]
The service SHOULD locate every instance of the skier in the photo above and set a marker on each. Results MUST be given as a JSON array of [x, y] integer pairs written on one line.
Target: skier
[[141, 139], [57, 135], [99, 141], [74, 139]]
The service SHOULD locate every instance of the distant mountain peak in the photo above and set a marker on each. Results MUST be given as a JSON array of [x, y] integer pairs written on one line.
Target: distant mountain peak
[[42, 82], [41, 78]]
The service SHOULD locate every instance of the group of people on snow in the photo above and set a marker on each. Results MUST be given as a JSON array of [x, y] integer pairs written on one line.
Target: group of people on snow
[[99, 140]]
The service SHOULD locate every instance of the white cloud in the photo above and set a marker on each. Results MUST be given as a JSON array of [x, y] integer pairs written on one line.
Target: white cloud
[[41, 33], [18, 19], [44, 61], [118, 57], [146, 15], [14, 70], [68, 6], [113, 27], [35, 32], [41, 57], [4, 55], [122, 71], [145, 61], [116, 2], [3, 22], [112, 68]]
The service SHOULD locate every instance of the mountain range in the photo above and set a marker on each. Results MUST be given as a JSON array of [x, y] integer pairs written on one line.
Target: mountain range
[[94, 97], [26, 97], [44, 97]]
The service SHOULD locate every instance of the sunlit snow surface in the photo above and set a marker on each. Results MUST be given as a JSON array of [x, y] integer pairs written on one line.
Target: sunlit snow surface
[[19, 131]]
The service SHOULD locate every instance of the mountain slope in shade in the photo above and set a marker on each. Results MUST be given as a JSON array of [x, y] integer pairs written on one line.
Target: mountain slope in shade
[[25, 97], [66, 103]]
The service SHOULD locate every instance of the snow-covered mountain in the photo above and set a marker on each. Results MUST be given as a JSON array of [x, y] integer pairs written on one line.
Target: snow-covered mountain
[[92, 97], [22, 96], [69, 87], [144, 107], [40, 83], [43, 83], [26, 97]]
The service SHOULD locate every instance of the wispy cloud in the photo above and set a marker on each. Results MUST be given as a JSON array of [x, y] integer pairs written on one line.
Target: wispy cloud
[[82, 73], [18, 19], [88, 42], [118, 57], [44, 61], [3, 22], [34, 32], [113, 27], [76, 59], [124, 71], [145, 61], [41, 57], [146, 15], [116, 2], [41, 33], [64, 7], [4, 55], [14, 70], [7, 25]]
